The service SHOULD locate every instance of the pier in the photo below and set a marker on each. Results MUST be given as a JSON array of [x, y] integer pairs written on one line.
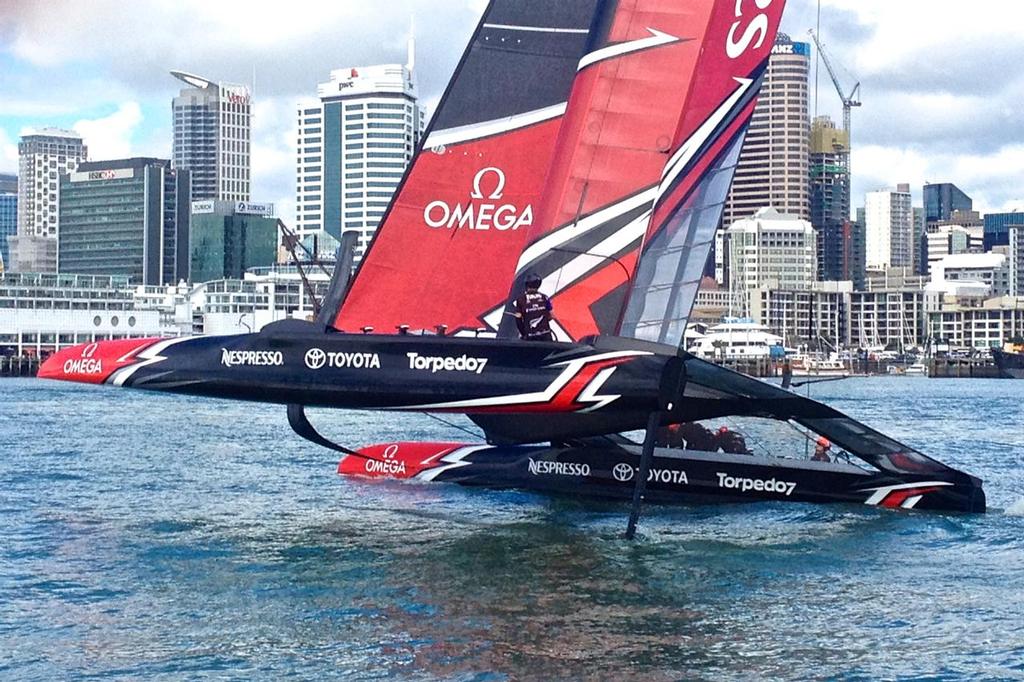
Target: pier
[[963, 368], [18, 366]]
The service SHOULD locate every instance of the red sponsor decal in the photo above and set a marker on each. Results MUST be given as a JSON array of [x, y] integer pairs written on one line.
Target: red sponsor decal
[[896, 498], [92, 363], [395, 460]]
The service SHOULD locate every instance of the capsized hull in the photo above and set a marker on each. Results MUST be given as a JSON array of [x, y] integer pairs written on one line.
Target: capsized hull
[[675, 477]]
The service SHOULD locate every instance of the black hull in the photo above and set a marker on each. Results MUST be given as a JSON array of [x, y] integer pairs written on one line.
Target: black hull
[[682, 477], [1011, 365]]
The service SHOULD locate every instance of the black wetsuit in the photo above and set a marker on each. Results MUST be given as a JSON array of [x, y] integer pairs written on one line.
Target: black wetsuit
[[533, 316]]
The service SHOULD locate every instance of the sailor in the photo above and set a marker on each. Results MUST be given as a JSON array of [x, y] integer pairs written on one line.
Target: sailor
[[686, 436], [532, 311], [822, 450], [730, 441]]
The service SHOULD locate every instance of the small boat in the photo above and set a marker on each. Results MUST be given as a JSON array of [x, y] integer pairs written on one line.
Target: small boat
[[819, 367], [918, 369]]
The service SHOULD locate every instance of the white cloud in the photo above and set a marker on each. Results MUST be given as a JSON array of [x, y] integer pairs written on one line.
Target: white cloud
[[111, 137], [274, 137], [8, 153], [941, 87]]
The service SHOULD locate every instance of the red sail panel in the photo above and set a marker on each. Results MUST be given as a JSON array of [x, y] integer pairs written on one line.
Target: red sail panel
[[446, 251], [631, 115]]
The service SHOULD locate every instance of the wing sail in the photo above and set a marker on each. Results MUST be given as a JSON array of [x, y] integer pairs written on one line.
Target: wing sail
[[446, 249], [648, 145]]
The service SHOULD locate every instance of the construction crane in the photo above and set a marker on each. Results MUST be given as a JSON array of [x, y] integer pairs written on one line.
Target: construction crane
[[849, 101]]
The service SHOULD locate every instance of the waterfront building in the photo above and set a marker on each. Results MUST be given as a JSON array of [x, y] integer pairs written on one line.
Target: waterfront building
[[227, 238], [713, 302], [942, 199], [889, 227], [354, 144], [32, 253], [890, 317], [829, 197], [817, 317], [990, 269], [773, 168], [769, 249], [8, 216], [997, 228], [41, 313], [212, 137], [965, 316], [125, 217]]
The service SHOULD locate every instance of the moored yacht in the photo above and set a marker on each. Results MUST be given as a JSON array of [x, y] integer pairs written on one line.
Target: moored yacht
[[738, 338]]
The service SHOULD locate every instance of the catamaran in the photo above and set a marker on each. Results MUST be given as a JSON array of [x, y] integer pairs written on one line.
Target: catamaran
[[590, 143]]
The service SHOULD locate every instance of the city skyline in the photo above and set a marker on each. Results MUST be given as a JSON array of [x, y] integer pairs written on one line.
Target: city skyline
[[922, 119]]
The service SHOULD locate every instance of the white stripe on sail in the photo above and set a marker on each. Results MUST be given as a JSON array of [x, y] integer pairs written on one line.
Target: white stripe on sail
[[538, 29], [475, 131], [656, 39], [681, 159], [560, 237]]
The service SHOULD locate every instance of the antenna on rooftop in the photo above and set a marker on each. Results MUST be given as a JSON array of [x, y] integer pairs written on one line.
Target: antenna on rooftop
[[410, 62]]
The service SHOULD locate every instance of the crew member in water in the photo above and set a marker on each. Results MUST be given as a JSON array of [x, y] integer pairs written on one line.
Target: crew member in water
[[822, 450], [532, 311]]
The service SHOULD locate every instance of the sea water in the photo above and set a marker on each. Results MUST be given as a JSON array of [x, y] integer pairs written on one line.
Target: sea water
[[148, 536]]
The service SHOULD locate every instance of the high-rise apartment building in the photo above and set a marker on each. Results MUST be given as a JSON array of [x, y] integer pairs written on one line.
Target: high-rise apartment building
[[212, 137], [769, 249], [43, 157], [773, 167], [889, 228], [125, 217], [354, 145], [942, 199], [8, 216], [830, 207]]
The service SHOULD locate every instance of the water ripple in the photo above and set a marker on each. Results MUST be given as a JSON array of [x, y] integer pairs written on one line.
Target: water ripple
[[164, 537]]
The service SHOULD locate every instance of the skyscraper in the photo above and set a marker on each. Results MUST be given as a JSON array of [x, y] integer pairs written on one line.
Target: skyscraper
[[212, 137], [830, 209], [8, 215], [354, 145], [940, 200], [889, 227], [125, 217], [773, 168]]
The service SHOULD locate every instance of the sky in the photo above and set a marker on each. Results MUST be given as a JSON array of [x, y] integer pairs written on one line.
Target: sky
[[941, 85]]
